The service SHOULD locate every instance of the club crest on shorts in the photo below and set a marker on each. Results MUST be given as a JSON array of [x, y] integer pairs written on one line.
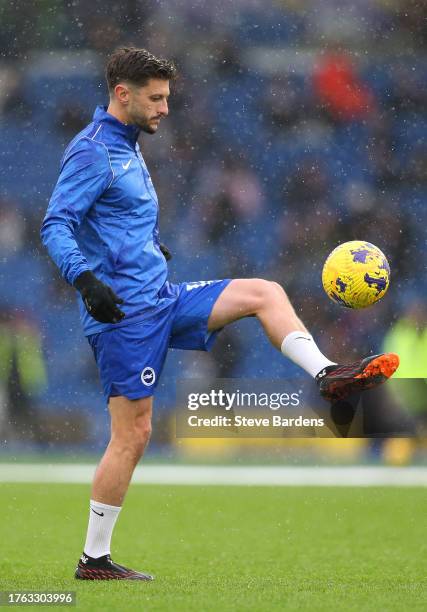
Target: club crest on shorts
[[148, 376]]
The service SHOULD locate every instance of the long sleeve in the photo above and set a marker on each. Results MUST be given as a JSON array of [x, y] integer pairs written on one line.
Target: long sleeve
[[85, 174]]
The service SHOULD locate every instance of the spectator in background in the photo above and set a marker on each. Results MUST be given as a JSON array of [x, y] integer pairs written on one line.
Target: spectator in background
[[228, 353], [415, 171], [411, 23], [12, 99], [22, 375], [408, 92], [288, 105], [383, 160], [409, 391], [12, 228], [409, 336], [308, 188], [340, 89], [228, 62], [72, 118], [235, 196]]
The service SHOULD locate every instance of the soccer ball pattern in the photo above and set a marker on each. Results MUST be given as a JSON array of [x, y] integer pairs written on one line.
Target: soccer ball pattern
[[356, 274]]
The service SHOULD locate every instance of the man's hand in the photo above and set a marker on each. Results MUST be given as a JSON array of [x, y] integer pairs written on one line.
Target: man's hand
[[167, 254], [99, 299]]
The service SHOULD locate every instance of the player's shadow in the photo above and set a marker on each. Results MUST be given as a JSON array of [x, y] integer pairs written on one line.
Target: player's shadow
[[368, 414], [343, 416]]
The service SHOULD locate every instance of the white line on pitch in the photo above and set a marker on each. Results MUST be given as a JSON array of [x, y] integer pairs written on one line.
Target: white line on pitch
[[361, 476]]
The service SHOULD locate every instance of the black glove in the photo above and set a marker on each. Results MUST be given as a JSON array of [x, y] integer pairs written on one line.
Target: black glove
[[99, 299], [167, 254]]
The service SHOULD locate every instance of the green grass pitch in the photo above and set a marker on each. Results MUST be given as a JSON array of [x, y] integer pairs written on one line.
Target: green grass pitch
[[226, 548]]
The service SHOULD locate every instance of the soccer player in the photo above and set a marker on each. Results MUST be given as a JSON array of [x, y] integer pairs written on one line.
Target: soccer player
[[101, 229]]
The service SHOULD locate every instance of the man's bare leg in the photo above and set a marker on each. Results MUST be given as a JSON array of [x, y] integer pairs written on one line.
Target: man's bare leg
[[269, 303], [245, 297], [130, 433]]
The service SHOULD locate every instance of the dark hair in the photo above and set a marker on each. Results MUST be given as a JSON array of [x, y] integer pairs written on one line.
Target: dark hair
[[137, 66]]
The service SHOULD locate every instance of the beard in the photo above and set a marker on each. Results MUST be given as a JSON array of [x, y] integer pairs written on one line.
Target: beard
[[145, 125], [147, 128]]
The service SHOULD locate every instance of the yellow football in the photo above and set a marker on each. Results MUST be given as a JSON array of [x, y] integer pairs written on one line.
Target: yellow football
[[356, 274]]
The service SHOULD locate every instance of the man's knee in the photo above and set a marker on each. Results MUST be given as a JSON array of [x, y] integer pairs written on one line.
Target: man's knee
[[143, 432], [142, 437], [131, 425], [278, 289], [133, 440], [262, 292]]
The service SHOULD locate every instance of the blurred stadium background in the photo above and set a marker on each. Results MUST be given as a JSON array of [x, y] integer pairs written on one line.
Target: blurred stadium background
[[293, 127]]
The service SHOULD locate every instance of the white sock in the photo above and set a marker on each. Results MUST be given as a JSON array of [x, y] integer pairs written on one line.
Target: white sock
[[102, 519], [302, 350]]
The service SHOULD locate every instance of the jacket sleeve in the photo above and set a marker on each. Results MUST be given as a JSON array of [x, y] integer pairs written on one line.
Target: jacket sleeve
[[85, 174]]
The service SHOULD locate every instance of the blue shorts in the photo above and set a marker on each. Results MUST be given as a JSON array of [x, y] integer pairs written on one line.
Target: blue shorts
[[130, 358]]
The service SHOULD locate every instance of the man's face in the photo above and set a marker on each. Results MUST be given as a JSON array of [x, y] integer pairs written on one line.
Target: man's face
[[147, 105]]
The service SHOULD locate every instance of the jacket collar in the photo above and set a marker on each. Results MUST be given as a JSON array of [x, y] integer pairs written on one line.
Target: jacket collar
[[130, 132]]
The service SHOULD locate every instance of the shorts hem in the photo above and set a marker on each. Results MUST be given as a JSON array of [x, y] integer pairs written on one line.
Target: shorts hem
[[210, 336], [132, 396], [203, 339]]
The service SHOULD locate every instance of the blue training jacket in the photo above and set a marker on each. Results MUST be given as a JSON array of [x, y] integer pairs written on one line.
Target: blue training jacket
[[103, 216]]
